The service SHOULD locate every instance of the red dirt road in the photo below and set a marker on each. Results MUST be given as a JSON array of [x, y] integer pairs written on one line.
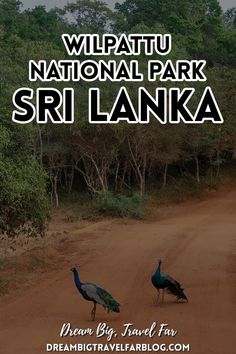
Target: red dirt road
[[196, 242]]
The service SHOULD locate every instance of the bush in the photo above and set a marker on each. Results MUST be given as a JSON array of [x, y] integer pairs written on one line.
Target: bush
[[23, 200], [119, 205]]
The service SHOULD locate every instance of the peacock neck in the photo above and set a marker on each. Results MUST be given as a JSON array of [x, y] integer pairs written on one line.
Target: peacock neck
[[158, 271], [77, 279]]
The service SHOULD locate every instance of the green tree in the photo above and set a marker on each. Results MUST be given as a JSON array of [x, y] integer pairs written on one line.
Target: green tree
[[9, 16], [230, 17], [92, 16], [196, 23], [38, 24]]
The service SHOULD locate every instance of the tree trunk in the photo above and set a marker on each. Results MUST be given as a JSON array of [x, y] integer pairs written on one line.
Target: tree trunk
[[139, 165], [124, 174], [197, 169], [143, 176], [211, 171], [72, 176], [218, 165], [40, 146], [117, 175], [165, 176], [55, 191]]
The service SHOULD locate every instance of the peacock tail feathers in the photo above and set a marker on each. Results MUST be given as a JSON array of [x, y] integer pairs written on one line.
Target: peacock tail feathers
[[161, 280], [175, 288], [110, 303]]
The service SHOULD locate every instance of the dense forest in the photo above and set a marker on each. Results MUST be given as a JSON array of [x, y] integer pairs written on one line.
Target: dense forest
[[41, 164]]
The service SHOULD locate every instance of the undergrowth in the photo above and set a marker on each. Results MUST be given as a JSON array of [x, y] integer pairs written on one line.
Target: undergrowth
[[4, 283], [124, 204], [120, 205], [105, 203]]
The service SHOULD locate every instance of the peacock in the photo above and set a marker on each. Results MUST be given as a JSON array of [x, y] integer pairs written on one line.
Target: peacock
[[97, 295], [163, 281]]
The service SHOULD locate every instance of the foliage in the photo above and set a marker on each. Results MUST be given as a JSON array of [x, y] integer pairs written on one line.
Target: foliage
[[197, 24], [90, 16], [230, 17], [9, 16], [179, 190], [121, 205], [23, 203]]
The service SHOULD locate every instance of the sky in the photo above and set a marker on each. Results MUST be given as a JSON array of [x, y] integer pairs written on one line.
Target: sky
[[58, 3], [226, 4]]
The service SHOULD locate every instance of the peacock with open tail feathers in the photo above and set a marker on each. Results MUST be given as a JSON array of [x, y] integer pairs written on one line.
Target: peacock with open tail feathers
[[97, 295], [163, 281]]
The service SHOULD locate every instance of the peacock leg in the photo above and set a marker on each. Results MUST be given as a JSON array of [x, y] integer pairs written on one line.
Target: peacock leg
[[163, 292], [93, 313], [158, 295]]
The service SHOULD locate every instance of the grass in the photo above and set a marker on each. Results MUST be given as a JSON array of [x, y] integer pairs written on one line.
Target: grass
[[2, 262], [4, 284], [36, 262], [80, 206], [178, 190]]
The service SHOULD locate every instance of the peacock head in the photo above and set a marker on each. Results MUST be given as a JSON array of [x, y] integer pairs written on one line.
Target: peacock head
[[73, 269], [160, 261]]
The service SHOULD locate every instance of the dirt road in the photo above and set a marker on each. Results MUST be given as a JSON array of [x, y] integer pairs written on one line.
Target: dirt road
[[196, 242]]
